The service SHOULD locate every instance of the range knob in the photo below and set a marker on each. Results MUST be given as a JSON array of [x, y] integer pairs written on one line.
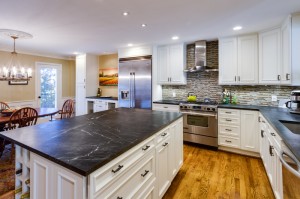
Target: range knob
[[208, 109], [213, 109]]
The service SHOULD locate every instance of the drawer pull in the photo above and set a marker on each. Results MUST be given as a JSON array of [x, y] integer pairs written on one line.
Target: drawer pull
[[165, 107], [165, 144], [119, 197], [262, 133], [228, 120], [164, 134], [228, 112], [273, 134], [228, 129], [144, 174], [271, 150], [228, 141], [146, 147], [263, 121], [118, 169]]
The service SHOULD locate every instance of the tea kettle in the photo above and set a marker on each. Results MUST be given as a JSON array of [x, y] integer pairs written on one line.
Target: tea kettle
[[294, 104]]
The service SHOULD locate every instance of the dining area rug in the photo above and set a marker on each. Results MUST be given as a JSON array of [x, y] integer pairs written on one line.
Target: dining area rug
[[7, 175]]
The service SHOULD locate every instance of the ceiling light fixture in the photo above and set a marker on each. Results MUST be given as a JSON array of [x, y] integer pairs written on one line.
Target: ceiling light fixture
[[144, 25], [175, 37], [14, 70], [236, 28], [129, 45], [125, 13]]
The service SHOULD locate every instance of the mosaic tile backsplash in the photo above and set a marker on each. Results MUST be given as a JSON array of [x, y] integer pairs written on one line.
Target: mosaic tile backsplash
[[205, 85]]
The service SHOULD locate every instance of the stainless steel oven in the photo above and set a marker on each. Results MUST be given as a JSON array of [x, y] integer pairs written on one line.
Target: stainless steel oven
[[200, 127]]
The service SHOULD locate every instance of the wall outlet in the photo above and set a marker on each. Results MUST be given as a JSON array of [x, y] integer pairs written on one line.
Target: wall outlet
[[174, 94], [274, 98]]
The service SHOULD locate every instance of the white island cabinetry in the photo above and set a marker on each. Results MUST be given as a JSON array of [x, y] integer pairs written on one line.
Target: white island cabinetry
[[144, 171]]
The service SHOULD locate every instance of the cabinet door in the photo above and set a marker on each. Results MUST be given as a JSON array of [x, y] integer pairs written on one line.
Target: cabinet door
[[249, 131], [286, 35], [228, 61], [80, 69], [178, 144], [162, 167], [248, 59], [81, 105], [162, 64], [269, 57], [176, 64]]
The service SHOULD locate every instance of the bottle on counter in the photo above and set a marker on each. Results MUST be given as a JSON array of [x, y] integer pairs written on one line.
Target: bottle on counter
[[99, 92]]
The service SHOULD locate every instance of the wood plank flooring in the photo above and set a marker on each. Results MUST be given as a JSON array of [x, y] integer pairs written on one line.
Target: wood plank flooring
[[216, 174]]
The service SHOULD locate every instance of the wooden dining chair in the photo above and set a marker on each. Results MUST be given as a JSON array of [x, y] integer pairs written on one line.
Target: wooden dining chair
[[3, 106], [67, 109], [21, 118]]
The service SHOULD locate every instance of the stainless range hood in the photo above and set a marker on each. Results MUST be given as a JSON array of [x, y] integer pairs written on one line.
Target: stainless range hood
[[200, 59]]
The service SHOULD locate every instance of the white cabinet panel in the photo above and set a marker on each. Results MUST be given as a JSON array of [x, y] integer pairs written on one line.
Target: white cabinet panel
[[286, 39], [270, 57], [228, 60], [249, 131], [80, 69], [81, 106], [165, 107], [247, 59], [170, 64]]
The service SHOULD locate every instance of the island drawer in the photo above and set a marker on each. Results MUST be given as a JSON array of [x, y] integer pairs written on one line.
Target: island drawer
[[117, 167], [138, 176], [232, 131], [162, 135], [229, 141], [232, 113], [165, 107]]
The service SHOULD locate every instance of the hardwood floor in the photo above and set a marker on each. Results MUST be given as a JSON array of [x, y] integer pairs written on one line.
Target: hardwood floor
[[216, 174]]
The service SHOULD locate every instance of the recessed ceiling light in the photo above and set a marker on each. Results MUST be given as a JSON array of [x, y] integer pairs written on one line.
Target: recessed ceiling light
[[125, 13], [237, 28], [144, 25], [129, 45], [175, 37]]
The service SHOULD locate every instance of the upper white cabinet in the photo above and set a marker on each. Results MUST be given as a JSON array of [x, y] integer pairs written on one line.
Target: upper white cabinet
[[171, 63], [86, 80], [270, 57], [286, 38], [295, 48], [238, 60]]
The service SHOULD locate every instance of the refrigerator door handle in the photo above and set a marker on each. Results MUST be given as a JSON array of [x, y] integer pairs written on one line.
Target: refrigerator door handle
[[133, 90], [130, 90]]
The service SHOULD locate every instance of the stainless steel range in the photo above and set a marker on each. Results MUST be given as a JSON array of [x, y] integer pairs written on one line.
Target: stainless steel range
[[200, 122]]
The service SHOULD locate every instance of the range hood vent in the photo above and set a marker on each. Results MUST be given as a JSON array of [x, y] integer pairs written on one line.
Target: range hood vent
[[200, 59]]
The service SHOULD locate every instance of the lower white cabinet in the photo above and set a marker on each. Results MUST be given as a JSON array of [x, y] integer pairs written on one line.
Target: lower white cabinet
[[270, 145], [165, 107], [49, 180], [238, 129], [145, 171]]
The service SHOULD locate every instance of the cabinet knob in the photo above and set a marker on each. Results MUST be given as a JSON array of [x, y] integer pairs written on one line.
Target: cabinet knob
[[287, 76], [165, 144], [271, 150], [144, 174], [228, 120], [228, 129], [228, 141], [146, 148], [164, 134], [278, 77]]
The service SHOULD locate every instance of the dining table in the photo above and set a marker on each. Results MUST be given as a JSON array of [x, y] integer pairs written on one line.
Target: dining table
[[42, 112]]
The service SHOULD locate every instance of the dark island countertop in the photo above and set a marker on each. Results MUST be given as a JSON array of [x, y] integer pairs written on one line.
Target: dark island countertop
[[85, 143], [102, 98], [274, 115]]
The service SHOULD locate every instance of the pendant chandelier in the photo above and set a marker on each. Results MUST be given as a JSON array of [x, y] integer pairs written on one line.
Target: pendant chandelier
[[14, 70]]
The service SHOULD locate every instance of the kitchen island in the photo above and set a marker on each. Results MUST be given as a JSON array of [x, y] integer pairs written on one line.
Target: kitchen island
[[119, 153]]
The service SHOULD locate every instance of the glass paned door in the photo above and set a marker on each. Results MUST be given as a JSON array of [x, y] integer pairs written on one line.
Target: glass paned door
[[48, 79], [48, 85]]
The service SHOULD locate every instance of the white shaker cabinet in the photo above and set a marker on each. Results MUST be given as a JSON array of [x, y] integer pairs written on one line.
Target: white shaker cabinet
[[286, 39], [86, 80], [270, 57], [171, 63], [238, 58], [249, 131]]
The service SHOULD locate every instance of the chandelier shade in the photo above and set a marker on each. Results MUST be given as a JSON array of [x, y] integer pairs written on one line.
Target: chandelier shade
[[14, 71]]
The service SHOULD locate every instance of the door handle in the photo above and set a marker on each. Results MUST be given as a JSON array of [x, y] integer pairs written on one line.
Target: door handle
[[39, 97]]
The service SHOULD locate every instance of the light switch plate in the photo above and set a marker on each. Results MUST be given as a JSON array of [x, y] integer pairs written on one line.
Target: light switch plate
[[274, 98]]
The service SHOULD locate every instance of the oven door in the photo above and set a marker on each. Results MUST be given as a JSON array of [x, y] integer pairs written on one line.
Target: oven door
[[200, 124]]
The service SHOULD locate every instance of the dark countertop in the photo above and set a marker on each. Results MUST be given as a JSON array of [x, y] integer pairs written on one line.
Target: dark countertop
[[103, 98], [85, 143], [274, 115], [173, 102]]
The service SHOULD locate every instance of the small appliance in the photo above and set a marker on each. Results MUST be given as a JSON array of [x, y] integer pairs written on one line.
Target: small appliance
[[294, 104]]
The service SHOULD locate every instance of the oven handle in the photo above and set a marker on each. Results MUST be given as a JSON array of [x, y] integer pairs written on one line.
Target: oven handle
[[200, 114], [287, 166]]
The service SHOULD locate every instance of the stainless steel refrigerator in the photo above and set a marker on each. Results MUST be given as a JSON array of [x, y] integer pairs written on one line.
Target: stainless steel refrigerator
[[135, 82]]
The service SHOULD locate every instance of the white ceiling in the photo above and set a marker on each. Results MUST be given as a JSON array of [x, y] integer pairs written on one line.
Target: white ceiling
[[61, 27]]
